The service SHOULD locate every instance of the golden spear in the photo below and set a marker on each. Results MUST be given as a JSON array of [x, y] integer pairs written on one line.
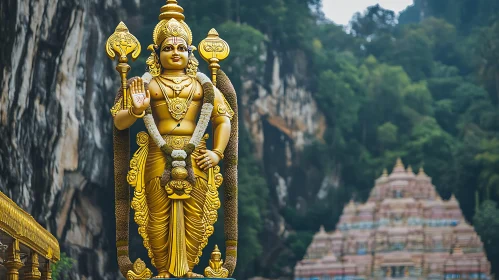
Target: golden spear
[[122, 43], [214, 49]]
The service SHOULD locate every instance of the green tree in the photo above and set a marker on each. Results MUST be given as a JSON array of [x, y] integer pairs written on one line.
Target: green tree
[[337, 97], [374, 21], [418, 98], [61, 269], [486, 222], [432, 147], [488, 158], [488, 48], [387, 134], [253, 199], [413, 51]]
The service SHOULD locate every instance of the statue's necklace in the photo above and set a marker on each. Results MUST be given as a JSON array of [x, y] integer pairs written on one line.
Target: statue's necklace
[[175, 79], [177, 106], [177, 87]]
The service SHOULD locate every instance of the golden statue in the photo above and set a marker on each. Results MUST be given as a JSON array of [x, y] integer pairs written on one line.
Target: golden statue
[[174, 176]]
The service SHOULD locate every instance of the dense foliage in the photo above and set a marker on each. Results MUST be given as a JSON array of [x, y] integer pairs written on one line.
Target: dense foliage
[[424, 88], [61, 269]]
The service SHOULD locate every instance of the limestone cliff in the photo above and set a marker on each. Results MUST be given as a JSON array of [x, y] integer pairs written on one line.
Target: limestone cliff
[[56, 88], [282, 117]]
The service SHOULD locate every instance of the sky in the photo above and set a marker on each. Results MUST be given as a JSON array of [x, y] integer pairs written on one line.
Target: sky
[[341, 11]]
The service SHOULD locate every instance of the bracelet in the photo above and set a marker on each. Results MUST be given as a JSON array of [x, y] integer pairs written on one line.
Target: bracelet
[[131, 113], [218, 153]]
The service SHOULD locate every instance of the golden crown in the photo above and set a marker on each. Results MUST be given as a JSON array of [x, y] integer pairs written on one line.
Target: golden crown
[[171, 24]]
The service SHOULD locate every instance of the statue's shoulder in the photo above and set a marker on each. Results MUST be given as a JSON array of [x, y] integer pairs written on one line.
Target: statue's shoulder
[[153, 86], [150, 82], [148, 79], [202, 78], [198, 84]]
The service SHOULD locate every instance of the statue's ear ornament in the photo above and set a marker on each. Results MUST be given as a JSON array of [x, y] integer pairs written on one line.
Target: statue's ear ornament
[[190, 50], [192, 65], [153, 63]]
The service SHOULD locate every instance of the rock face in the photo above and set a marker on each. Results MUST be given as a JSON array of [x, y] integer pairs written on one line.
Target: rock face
[[282, 117], [56, 89], [284, 105]]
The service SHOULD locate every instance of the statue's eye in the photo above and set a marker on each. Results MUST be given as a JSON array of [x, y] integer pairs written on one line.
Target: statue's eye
[[168, 48], [182, 48]]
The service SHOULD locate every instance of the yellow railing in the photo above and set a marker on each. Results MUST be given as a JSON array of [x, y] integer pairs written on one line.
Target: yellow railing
[[25, 236]]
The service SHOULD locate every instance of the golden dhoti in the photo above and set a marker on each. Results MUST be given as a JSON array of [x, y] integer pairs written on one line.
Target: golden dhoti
[[176, 228]]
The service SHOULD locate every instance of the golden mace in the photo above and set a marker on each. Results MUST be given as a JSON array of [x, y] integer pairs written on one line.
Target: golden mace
[[122, 43], [214, 49]]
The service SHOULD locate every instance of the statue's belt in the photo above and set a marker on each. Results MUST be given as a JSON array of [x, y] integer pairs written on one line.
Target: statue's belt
[[176, 142]]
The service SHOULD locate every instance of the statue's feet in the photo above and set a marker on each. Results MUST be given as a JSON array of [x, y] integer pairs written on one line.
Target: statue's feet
[[163, 274], [191, 274]]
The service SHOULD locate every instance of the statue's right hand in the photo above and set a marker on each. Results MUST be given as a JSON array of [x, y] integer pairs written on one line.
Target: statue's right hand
[[140, 97]]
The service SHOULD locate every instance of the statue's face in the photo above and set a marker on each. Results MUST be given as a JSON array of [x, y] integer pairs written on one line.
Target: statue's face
[[173, 54]]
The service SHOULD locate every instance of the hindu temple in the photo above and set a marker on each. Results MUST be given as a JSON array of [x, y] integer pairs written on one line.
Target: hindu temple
[[404, 230]]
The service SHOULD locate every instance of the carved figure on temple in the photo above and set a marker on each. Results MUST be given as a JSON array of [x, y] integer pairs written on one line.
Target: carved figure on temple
[[174, 175]]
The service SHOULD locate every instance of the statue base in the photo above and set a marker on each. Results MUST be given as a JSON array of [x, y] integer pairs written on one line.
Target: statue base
[[203, 278]]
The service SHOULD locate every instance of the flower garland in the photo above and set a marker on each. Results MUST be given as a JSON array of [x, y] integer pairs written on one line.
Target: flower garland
[[181, 158]]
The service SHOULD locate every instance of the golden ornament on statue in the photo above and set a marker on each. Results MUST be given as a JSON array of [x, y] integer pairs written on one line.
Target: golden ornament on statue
[[213, 50], [179, 173], [123, 43], [215, 268]]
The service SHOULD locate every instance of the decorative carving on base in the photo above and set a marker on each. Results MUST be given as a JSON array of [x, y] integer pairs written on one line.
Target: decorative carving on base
[[140, 271], [216, 270]]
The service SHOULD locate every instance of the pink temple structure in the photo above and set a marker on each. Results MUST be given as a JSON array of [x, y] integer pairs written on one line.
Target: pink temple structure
[[403, 231]]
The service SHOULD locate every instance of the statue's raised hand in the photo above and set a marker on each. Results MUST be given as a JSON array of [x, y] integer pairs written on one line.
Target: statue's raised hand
[[140, 97]]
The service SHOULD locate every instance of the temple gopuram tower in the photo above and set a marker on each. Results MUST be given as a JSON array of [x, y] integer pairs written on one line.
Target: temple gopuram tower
[[404, 230]]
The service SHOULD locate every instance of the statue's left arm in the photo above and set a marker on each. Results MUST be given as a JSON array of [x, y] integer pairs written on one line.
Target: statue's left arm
[[220, 118], [221, 123]]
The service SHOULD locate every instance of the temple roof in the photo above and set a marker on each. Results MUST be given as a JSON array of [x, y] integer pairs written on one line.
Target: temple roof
[[405, 222], [383, 177], [409, 172], [15, 223], [398, 171], [422, 175], [453, 201], [321, 234], [350, 207]]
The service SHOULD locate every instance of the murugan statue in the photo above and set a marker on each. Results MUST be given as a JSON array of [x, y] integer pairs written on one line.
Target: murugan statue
[[174, 176]]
